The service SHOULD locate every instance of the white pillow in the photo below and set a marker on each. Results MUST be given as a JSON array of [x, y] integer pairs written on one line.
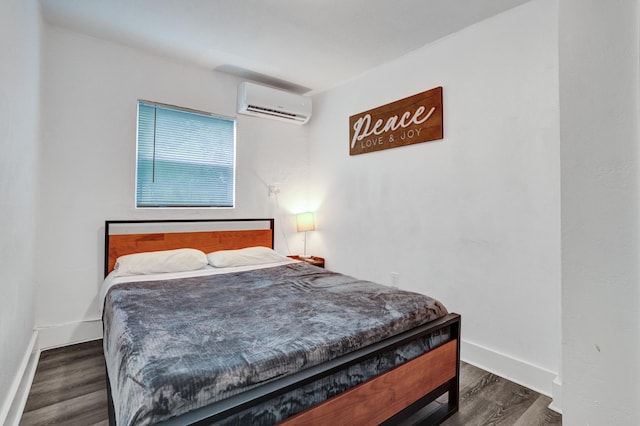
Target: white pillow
[[154, 262], [244, 257]]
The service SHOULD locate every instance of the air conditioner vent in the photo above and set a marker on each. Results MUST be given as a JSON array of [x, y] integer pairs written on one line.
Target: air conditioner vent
[[267, 102], [274, 112]]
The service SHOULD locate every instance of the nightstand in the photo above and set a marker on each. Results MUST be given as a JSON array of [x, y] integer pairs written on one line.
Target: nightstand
[[313, 260]]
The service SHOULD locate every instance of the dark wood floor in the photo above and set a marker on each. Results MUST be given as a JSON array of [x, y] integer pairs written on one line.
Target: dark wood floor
[[487, 399], [69, 388]]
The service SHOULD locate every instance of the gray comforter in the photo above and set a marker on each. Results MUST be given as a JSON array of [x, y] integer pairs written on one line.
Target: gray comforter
[[176, 345]]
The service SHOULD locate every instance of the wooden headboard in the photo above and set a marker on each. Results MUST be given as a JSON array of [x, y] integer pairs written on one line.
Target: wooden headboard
[[136, 236]]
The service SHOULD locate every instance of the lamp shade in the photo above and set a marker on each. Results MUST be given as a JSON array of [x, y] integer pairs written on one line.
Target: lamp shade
[[305, 222]]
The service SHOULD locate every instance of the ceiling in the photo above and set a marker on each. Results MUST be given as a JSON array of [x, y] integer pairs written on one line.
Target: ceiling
[[306, 46]]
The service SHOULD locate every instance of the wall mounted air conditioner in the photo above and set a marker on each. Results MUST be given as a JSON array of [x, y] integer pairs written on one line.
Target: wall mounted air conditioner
[[266, 102]]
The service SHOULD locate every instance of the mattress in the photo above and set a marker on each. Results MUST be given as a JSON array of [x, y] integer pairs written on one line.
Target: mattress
[[175, 345]]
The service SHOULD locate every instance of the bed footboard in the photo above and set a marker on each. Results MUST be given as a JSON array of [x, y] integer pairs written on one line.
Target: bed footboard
[[389, 393]]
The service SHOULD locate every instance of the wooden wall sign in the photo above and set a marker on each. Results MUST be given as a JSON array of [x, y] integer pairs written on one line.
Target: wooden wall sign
[[411, 120]]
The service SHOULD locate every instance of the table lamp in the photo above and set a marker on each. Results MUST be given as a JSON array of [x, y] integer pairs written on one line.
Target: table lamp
[[305, 222]]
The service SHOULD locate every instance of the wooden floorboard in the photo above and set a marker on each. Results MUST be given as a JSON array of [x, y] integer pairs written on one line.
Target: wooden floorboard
[[486, 399], [539, 414], [69, 389]]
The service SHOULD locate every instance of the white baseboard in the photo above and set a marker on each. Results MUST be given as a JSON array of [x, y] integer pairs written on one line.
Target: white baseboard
[[556, 403], [521, 372], [55, 336], [12, 408]]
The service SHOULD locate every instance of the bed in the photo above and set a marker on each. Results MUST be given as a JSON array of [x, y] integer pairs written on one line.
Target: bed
[[281, 341]]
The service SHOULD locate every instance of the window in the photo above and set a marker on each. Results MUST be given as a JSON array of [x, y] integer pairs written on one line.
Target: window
[[185, 158]]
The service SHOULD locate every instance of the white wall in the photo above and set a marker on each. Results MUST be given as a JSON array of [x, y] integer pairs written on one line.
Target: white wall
[[473, 219], [599, 85], [90, 89], [19, 150]]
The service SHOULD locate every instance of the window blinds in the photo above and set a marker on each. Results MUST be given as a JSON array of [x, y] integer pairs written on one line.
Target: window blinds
[[185, 158]]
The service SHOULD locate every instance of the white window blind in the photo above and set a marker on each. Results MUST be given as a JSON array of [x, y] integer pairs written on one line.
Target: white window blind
[[185, 158]]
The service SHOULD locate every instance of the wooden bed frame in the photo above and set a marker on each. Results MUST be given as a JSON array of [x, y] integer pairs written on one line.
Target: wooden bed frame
[[398, 395]]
